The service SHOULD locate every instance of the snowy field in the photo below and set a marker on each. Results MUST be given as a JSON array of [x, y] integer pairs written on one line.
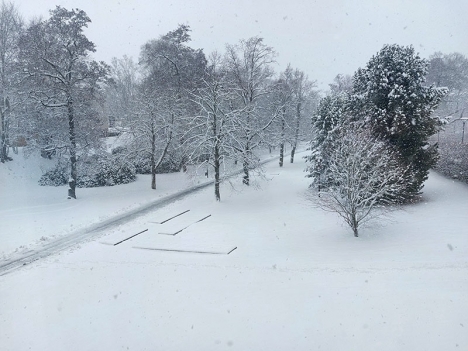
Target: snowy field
[[297, 279], [32, 215]]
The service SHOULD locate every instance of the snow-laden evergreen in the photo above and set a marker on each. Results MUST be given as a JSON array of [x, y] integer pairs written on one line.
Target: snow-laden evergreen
[[390, 96], [327, 122]]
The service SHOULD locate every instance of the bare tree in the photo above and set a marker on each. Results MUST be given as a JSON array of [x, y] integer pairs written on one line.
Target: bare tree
[[55, 55], [209, 135], [250, 72], [11, 25], [304, 101], [367, 178], [283, 99], [342, 84], [152, 131], [171, 73], [122, 92]]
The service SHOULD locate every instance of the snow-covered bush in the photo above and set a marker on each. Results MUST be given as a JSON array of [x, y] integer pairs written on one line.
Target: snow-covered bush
[[104, 171], [93, 171], [56, 176], [170, 164], [453, 160]]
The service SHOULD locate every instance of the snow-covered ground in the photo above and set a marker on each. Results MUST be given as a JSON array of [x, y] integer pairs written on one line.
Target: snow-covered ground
[[32, 214], [297, 280]]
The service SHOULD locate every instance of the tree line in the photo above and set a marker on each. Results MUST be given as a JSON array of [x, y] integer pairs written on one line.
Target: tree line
[[175, 107], [371, 137]]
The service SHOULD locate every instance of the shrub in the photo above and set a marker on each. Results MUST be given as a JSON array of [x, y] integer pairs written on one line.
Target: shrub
[[453, 160], [93, 171], [170, 164], [56, 176]]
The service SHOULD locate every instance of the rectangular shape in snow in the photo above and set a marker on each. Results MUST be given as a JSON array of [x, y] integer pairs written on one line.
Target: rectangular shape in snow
[[176, 229], [227, 252], [168, 219]]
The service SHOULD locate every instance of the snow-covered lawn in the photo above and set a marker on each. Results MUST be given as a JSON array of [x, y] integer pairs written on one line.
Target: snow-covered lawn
[[298, 279], [31, 214]]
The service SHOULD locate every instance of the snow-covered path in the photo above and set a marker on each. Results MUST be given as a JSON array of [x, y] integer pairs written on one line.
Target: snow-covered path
[[298, 280]]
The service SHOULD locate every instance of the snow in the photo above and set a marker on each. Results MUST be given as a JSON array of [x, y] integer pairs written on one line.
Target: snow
[[298, 279], [30, 213]]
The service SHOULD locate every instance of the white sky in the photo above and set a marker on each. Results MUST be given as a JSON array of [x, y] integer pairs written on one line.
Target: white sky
[[321, 37]]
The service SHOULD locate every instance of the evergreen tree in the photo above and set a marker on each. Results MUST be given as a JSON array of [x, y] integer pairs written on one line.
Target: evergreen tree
[[389, 95], [327, 122]]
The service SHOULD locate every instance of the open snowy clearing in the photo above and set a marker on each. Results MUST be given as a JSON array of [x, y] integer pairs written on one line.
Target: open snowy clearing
[[297, 280], [33, 216]]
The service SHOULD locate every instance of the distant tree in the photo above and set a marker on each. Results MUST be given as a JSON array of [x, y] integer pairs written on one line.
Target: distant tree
[[171, 72], [55, 57], [122, 91], [209, 132], [389, 94], [304, 102], [152, 131], [341, 84], [365, 178], [283, 95], [450, 71], [250, 73], [11, 26]]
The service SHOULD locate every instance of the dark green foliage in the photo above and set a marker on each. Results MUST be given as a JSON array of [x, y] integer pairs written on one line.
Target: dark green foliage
[[390, 97]]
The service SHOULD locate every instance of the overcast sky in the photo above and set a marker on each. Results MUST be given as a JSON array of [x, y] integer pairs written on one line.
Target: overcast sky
[[322, 37]]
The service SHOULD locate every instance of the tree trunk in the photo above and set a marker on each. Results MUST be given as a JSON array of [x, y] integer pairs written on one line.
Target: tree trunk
[[355, 225], [216, 156], [283, 126], [153, 161], [2, 136], [281, 154], [72, 136], [355, 230], [4, 126], [245, 166], [296, 131], [3, 111], [293, 151], [216, 170]]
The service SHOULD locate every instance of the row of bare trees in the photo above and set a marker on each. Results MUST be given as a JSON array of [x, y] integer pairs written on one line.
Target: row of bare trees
[[216, 110], [175, 107]]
